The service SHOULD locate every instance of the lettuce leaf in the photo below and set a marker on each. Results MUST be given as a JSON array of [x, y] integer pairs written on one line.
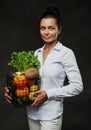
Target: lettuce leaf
[[24, 60]]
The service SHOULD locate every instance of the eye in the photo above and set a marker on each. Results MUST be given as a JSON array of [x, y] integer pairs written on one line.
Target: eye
[[42, 28], [51, 28]]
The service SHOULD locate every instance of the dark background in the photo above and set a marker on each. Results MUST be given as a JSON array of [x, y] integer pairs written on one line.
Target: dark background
[[19, 31]]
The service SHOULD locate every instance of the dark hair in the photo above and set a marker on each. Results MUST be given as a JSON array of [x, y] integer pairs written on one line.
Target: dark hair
[[53, 12]]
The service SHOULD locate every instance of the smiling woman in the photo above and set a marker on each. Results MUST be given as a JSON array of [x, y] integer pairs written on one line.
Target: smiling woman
[[57, 61], [48, 30]]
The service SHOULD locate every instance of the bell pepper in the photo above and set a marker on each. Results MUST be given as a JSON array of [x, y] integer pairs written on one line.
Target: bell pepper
[[22, 92], [34, 88], [19, 81]]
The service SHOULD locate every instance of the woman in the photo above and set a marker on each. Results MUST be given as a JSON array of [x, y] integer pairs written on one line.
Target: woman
[[57, 62]]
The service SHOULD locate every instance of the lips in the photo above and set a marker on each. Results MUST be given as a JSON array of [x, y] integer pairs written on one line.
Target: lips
[[46, 38]]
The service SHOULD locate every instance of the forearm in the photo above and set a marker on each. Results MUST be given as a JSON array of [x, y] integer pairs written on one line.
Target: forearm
[[64, 92]]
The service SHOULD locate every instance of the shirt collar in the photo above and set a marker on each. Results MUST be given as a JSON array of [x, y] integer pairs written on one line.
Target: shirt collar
[[57, 47]]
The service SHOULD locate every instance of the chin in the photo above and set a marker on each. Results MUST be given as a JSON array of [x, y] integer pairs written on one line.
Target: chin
[[48, 41]]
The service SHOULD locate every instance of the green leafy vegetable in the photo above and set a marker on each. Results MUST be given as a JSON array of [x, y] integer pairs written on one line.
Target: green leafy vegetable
[[24, 60]]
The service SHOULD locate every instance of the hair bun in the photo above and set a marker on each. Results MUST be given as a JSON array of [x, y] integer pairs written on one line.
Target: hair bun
[[53, 12]]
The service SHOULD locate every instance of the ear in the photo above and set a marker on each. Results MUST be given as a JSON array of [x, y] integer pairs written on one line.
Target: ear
[[60, 30]]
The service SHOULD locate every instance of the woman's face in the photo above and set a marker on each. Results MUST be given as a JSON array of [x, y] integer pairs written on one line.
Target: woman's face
[[49, 30]]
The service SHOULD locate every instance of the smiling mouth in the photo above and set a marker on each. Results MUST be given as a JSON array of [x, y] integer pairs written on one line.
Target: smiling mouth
[[46, 38]]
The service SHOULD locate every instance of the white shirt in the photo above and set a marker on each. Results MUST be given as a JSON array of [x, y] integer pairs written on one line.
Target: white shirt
[[60, 62]]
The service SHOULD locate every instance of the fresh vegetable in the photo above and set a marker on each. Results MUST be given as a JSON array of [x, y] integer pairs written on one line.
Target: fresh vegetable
[[19, 80], [32, 97], [25, 99], [19, 100], [22, 92], [25, 77], [31, 82], [34, 88], [23, 60], [32, 73]]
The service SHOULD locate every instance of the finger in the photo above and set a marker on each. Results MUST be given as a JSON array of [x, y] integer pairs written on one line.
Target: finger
[[9, 101], [8, 98], [34, 104], [6, 89], [37, 92]]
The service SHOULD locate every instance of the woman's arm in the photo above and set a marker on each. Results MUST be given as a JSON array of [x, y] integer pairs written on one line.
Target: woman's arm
[[75, 85]]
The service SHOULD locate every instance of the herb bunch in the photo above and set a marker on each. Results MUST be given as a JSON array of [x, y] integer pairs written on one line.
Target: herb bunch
[[24, 60]]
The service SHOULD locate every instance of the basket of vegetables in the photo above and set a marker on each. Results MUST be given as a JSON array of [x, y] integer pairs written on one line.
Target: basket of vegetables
[[24, 80]]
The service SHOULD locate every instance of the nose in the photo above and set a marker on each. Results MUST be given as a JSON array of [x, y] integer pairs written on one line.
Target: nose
[[46, 31]]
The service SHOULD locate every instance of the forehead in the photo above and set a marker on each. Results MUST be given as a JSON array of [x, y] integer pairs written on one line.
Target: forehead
[[48, 22]]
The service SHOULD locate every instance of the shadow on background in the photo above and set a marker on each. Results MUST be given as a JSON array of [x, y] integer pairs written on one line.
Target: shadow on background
[[19, 31]]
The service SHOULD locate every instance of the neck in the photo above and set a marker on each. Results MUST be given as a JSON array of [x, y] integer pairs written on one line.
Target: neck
[[50, 45]]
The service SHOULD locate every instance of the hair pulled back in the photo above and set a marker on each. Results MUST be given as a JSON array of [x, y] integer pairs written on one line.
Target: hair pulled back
[[52, 12]]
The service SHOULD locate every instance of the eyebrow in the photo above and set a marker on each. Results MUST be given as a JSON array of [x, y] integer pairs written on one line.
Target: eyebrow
[[48, 26]]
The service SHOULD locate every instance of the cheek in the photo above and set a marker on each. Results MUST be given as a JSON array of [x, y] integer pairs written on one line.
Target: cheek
[[55, 35], [41, 33]]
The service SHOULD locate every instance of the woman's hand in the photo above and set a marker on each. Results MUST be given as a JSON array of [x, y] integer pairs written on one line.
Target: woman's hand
[[42, 96], [6, 95]]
